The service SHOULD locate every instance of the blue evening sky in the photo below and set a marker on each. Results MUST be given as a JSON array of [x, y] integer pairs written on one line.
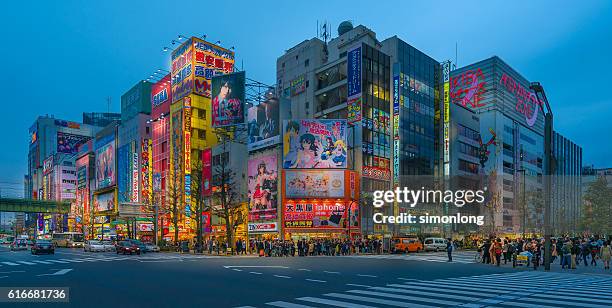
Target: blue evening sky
[[66, 57]]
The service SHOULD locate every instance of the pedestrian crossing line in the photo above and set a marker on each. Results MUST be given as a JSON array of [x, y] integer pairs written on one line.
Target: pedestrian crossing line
[[58, 261], [405, 297], [42, 262], [72, 260], [26, 263], [381, 301], [522, 289], [11, 263], [332, 302], [287, 305]]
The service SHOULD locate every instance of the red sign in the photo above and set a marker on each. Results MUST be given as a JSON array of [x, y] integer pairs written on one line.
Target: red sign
[[325, 214], [467, 88], [376, 173], [206, 222], [263, 227], [206, 172]]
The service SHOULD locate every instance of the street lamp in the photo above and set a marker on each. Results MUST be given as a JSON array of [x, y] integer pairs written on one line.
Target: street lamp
[[548, 137]]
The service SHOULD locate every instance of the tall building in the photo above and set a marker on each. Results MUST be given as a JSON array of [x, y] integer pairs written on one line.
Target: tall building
[[511, 143], [194, 63], [104, 201], [392, 132], [51, 165], [161, 98], [566, 185]]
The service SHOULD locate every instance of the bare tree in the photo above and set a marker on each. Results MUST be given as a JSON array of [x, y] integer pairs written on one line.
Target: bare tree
[[174, 197]]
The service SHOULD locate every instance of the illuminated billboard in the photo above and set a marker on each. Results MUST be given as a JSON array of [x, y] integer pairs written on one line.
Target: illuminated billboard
[[297, 85], [314, 184], [187, 152], [104, 202], [353, 80], [228, 99], [446, 75], [105, 164], [319, 214], [263, 191], [146, 169], [263, 124], [207, 172], [314, 144], [69, 143], [161, 97], [194, 64]]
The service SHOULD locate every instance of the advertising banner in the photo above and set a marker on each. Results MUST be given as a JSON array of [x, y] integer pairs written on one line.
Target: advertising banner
[[209, 60], [396, 134], [263, 191], [135, 172], [297, 85], [263, 124], [82, 177], [104, 202], [228, 93], [376, 173], [145, 170], [156, 182], [161, 97], [123, 178], [187, 152], [314, 184], [206, 225], [353, 79], [263, 227], [48, 165], [182, 71], [207, 172], [314, 144], [105, 165], [69, 143], [446, 76], [318, 215]]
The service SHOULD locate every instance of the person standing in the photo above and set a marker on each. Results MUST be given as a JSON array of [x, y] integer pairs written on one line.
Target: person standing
[[605, 255], [449, 249]]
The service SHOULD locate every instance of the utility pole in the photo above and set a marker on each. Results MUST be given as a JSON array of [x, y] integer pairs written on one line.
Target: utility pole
[[548, 154]]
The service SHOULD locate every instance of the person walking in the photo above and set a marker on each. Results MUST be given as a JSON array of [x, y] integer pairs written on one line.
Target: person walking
[[498, 251], [449, 249], [606, 254]]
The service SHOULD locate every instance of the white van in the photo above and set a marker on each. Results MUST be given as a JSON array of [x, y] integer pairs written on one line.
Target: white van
[[434, 243]]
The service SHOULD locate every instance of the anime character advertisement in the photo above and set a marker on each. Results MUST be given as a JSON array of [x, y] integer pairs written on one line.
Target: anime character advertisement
[[228, 99], [314, 184], [314, 144], [263, 191]]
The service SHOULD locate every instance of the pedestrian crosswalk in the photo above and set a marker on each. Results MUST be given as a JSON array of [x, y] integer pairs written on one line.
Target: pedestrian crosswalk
[[519, 289], [458, 257], [32, 262]]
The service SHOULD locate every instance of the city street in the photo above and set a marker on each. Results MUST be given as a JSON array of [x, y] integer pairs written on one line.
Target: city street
[[175, 280]]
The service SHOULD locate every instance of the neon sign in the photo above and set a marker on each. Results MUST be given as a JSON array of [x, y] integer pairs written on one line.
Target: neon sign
[[467, 88], [446, 74], [396, 136], [187, 153], [526, 102]]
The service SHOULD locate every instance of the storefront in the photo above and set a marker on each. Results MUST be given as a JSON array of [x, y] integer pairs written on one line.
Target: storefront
[[320, 204]]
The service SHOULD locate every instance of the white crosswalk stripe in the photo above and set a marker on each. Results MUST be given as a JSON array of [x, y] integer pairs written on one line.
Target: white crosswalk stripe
[[104, 258], [464, 257], [517, 289], [26, 262]]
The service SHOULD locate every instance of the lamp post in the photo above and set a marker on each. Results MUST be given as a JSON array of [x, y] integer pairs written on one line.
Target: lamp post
[[548, 153], [523, 192]]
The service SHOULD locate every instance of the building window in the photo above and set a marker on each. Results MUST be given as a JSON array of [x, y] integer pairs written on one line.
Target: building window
[[202, 133], [164, 146], [147, 130], [468, 166], [307, 63]]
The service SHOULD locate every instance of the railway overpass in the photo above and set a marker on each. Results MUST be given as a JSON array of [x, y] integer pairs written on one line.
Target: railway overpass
[[33, 206]]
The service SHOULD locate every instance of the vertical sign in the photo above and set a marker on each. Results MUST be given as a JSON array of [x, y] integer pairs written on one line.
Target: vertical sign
[[135, 168], [206, 172], [187, 154], [145, 153], [446, 74], [396, 135], [353, 73]]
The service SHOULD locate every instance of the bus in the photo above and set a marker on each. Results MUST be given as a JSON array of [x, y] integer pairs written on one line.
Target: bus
[[68, 239]]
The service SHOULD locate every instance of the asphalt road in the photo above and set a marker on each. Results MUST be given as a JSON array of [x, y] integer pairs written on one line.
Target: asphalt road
[[174, 280]]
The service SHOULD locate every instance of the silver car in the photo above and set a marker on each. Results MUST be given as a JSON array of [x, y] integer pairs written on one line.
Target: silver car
[[93, 246], [108, 246]]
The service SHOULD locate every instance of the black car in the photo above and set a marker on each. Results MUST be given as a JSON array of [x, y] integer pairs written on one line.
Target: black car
[[42, 246]]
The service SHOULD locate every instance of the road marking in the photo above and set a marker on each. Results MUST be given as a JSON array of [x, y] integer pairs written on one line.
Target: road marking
[[363, 275], [10, 263], [58, 273], [72, 260], [237, 270], [408, 279], [330, 302], [42, 262], [58, 261], [374, 300], [316, 280], [12, 272], [254, 266], [26, 263], [3, 276], [281, 276], [358, 285], [256, 273], [304, 269], [331, 272], [287, 305]]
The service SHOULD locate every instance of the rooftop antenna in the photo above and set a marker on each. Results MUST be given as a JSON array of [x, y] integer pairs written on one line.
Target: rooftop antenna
[[325, 31]]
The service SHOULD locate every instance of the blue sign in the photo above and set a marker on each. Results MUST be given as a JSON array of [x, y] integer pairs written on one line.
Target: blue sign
[[354, 71]]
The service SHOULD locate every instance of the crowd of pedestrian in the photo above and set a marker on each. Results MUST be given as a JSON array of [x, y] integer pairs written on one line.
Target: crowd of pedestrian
[[569, 252], [314, 247]]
